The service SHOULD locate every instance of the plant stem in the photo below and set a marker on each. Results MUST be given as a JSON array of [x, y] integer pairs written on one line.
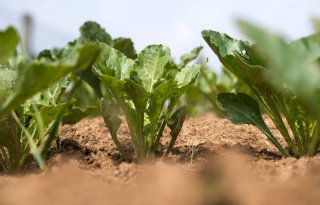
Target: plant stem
[[274, 140], [315, 141], [292, 126], [156, 142], [39, 122], [281, 126]]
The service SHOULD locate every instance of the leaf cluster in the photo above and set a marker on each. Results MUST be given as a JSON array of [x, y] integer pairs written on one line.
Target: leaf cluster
[[283, 79], [30, 89]]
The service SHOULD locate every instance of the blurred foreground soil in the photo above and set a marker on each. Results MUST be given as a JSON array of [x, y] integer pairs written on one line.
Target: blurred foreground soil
[[213, 162]]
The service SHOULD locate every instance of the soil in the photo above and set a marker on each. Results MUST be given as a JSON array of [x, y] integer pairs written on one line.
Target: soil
[[213, 162]]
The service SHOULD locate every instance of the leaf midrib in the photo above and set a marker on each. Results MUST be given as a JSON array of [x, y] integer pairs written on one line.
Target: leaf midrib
[[154, 70]]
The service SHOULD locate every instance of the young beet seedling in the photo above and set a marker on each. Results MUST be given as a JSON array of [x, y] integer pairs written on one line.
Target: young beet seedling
[[290, 97], [146, 91]]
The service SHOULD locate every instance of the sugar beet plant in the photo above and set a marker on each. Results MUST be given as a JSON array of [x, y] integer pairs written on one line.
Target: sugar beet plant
[[30, 89], [283, 78], [144, 88]]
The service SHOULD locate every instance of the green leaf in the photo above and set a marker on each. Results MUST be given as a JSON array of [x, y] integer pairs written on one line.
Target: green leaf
[[46, 115], [187, 58], [187, 75], [116, 87], [157, 100], [9, 39], [76, 114], [113, 62], [138, 95], [175, 123], [151, 65], [7, 81], [51, 95], [37, 76], [110, 115], [240, 109], [125, 46], [238, 57], [49, 113], [171, 70], [92, 78], [92, 31]]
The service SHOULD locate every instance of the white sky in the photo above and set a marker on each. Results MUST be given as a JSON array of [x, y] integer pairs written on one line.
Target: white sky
[[175, 23]]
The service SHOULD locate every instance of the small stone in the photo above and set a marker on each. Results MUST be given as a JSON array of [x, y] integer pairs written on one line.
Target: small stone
[[116, 172]]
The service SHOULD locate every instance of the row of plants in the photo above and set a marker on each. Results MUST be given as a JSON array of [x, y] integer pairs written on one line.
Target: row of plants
[[98, 75], [93, 74]]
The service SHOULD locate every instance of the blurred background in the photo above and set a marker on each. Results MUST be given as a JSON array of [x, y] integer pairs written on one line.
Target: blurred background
[[176, 24]]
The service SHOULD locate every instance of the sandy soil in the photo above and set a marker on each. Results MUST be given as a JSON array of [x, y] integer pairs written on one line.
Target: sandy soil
[[213, 162]]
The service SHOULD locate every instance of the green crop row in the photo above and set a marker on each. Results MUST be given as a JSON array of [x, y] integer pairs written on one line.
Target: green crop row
[[64, 85], [96, 74]]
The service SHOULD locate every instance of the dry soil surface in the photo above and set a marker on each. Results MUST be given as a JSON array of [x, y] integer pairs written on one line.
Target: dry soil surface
[[214, 162]]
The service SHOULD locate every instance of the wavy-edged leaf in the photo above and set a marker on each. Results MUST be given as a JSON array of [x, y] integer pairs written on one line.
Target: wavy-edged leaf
[[114, 63], [238, 56], [187, 75], [187, 58], [92, 31], [151, 65], [125, 46]]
